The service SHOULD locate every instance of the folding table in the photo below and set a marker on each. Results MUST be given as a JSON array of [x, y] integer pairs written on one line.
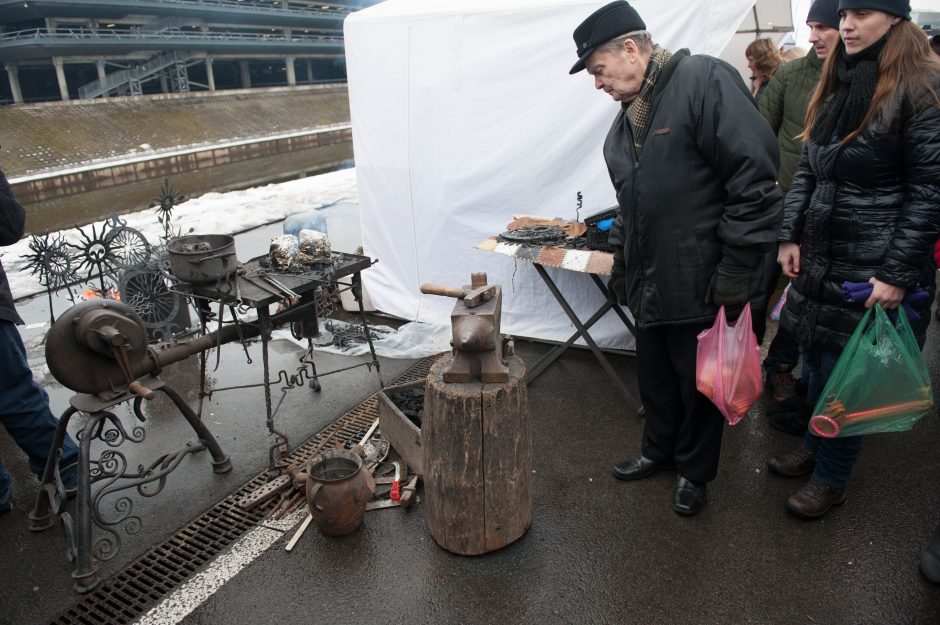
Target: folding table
[[594, 263]]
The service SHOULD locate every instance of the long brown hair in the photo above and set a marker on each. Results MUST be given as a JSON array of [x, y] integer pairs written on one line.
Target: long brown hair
[[766, 57], [905, 63]]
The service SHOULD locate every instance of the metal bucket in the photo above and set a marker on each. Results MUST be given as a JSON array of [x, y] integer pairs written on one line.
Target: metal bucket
[[338, 489], [203, 258]]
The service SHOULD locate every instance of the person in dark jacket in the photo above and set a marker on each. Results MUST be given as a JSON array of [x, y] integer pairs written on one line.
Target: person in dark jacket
[[864, 206], [24, 405], [694, 167], [784, 105]]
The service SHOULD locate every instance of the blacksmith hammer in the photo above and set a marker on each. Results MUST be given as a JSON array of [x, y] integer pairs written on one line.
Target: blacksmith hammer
[[472, 297]]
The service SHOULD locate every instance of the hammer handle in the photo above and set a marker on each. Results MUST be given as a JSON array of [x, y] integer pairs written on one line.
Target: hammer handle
[[429, 288]]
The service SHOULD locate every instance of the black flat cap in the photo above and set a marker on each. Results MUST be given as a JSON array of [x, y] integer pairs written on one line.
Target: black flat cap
[[604, 24]]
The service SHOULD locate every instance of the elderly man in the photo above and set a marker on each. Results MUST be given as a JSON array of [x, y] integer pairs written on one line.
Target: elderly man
[[694, 166], [784, 106]]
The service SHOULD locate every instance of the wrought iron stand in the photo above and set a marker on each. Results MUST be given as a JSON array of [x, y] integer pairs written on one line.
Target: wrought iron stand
[[112, 470]]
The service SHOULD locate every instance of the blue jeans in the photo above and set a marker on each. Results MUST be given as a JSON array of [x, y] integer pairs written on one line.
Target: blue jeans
[[24, 412], [835, 457], [783, 350]]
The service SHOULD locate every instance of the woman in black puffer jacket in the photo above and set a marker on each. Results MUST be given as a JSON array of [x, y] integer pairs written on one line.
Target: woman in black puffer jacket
[[864, 206]]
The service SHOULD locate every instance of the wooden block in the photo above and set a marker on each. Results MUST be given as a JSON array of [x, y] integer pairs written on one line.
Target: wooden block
[[477, 502]]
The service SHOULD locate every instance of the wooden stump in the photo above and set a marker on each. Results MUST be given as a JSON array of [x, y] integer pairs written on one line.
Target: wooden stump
[[477, 461]]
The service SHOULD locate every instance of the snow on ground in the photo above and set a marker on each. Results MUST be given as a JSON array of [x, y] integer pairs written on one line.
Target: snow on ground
[[212, 213]]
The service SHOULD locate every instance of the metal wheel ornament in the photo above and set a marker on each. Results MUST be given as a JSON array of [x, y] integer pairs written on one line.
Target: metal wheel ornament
[[145, 291], [128, 247]]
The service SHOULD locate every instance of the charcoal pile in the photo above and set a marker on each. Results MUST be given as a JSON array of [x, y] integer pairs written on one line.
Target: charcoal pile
[[411, 404]]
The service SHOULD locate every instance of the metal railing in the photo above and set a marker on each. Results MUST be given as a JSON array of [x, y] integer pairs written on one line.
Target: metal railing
[[256, 6], [137, 35]]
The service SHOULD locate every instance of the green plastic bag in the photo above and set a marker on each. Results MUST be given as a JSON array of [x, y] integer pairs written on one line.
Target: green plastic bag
[[879, 384]]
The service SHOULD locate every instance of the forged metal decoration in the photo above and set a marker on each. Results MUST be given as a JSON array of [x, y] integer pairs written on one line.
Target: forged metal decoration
[[164, 204], [51, 261], [128, 247], [535, 235], [144, 289]]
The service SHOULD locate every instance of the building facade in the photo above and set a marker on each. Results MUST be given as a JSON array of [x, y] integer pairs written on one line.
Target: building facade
[[83, 49]]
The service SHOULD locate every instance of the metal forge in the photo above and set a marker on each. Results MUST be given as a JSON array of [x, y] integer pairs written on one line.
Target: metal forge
[[100, 350]]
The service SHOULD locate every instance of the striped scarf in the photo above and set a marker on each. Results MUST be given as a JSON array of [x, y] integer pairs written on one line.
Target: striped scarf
[[638, 110]]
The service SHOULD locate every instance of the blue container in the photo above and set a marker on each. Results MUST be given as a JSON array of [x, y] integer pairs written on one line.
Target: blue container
[[313, 219]]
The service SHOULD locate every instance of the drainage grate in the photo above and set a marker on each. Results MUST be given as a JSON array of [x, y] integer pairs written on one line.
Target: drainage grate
[[127, 595]]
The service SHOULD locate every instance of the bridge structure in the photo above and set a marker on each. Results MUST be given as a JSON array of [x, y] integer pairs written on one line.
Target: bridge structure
[[85, 49]]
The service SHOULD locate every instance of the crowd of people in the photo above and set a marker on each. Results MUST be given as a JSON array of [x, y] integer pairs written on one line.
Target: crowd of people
[[827, 169]]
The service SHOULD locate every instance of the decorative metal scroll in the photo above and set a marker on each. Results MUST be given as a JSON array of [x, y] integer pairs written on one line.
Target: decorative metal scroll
[[110, 512]]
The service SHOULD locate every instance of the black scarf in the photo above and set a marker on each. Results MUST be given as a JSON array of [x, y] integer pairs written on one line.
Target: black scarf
[[857, 77]]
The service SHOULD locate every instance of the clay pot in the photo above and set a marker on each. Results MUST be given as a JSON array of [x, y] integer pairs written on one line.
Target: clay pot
[[338, 489]]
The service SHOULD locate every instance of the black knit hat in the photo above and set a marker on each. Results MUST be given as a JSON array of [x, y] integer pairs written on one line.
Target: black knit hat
[[825, 12], [901, 8], [606, 23]]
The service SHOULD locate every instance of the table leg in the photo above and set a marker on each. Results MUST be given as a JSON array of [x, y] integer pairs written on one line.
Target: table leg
[[357, 293], [617, 309], [280, 441], [632, 402]]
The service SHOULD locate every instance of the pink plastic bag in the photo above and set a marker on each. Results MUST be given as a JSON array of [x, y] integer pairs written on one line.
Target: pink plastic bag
[[727, 365]]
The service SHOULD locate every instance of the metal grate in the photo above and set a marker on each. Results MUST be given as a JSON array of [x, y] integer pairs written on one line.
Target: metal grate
[[128, 594]]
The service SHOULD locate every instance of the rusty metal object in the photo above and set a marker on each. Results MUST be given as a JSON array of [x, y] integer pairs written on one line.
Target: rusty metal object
[[478, 345], [80, 346], [338, 490], [269, 490], [203, 258], [409, 492]]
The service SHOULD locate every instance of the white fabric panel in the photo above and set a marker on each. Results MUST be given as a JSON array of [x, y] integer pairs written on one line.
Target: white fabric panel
[[464, 115]]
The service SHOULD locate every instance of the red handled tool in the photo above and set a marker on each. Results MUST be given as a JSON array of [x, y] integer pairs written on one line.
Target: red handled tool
[[395, 493]]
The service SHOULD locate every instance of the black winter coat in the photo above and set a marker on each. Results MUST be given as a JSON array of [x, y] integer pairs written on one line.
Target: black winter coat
[[704, 179], [869, 209], [12, 222]]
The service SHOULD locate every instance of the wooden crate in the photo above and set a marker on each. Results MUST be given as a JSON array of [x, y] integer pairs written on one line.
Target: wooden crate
[[400, 432]]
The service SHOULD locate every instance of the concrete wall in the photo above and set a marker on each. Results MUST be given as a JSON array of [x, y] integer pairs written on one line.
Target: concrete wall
[[58, 201], [75, 162]]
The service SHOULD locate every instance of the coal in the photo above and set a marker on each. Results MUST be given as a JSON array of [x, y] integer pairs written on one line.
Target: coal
[[410, 403]]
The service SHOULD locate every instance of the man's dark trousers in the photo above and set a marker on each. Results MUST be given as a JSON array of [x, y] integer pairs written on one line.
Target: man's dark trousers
[[681, 423]]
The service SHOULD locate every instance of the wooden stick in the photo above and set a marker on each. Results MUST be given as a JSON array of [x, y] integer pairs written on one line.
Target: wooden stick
[[369, 432], [300, 531]]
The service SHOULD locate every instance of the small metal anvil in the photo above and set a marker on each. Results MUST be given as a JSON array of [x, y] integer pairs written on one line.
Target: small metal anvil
[[478, 345]]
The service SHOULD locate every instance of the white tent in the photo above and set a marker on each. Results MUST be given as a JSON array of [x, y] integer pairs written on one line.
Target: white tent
[[464, 115]]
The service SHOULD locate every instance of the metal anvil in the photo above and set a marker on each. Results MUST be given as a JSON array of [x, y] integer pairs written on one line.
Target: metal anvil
[[478, 345]]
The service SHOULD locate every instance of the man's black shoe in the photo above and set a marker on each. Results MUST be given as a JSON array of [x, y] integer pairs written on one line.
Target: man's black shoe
[[639, 467], [790, 404], [690, 497], [930, 558]]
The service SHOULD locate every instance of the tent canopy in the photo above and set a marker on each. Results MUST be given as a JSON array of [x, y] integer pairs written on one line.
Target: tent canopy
[[463, 116]]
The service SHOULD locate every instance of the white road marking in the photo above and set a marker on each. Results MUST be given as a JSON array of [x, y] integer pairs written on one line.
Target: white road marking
[[182, 601]]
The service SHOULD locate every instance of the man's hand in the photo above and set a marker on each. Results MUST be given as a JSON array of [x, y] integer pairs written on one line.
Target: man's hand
[[617, 283], [788, 256], [887, 295], [729, 286]]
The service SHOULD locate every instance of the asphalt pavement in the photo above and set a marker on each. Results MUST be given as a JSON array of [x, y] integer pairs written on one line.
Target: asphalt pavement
[[598, 551]]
